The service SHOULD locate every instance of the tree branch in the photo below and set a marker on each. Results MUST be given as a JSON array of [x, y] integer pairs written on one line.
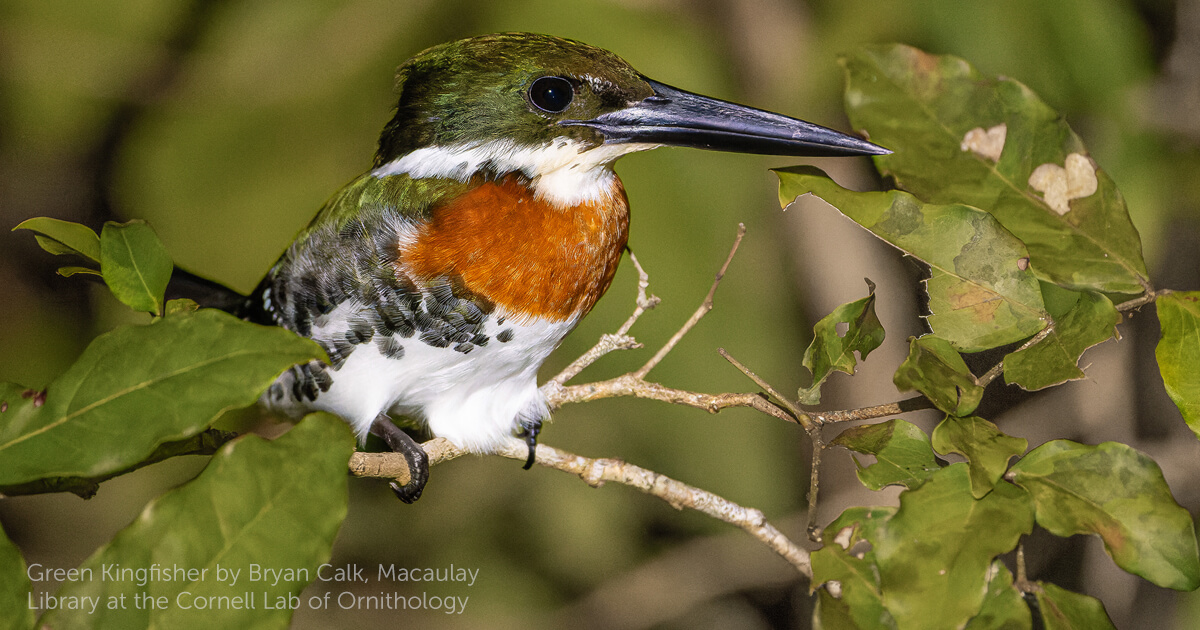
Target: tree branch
[[619, 340], [703, 310], [597, 472]]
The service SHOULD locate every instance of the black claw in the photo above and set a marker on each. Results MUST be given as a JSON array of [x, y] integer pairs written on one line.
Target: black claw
[[530, 432], [418, 461]]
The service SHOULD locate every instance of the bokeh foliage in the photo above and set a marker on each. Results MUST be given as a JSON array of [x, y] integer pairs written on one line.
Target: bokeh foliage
[[276, 105]]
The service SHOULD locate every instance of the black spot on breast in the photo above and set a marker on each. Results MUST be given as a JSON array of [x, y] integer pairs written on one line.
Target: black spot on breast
[[389, 347], [321, 376], [435, 339], [309, 380], [361, 330], [464, 347], [504, 336], [339, 350], [440, 300], [393, 318]]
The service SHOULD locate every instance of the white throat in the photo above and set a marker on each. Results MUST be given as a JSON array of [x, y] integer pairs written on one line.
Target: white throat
[[562, 171]]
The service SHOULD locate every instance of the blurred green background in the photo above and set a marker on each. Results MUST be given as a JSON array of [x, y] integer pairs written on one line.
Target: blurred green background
[[227, 124]]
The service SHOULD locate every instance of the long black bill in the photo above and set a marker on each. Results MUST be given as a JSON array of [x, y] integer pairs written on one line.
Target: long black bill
[[679, 118]]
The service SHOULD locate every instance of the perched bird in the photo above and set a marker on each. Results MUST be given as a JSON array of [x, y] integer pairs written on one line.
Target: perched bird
[[440, 280]]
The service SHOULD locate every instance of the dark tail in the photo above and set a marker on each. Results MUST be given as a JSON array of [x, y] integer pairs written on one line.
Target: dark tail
[[205, 292]]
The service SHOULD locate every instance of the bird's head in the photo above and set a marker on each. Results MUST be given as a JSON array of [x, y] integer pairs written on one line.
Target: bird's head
[[520, 102]]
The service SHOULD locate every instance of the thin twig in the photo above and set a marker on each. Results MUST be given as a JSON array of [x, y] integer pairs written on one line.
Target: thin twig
[[1142, 300], [619, 340], [607, 344], [596, 472], [703, 310], [631, 385], [818, 445], [644, 302], [916, 403], [1022, 581], [998, 369], [801, 417]]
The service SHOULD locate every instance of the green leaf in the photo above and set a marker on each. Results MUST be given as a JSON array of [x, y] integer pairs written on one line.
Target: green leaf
[[135, 265], [1119, 494], [67, 272], [1003, 607], [1178, 352], [64, 237], [1055, 359], [858, 602], [855, 525], [137, 387], [856, 597], [934, 554], [902, 453], [275, 504], [981, 292], [831, 350], [987, 449], [1063, 610], [939, 373], [181, 305], [936, 113], [14, 587]]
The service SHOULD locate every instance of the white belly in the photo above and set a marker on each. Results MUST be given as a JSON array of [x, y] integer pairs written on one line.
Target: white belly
[[475, 399]]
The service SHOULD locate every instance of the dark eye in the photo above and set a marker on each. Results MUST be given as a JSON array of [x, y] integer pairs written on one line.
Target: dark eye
[[551, 94]]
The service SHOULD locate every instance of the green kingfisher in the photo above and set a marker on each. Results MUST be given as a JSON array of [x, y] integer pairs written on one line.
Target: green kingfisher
[[491, 222]]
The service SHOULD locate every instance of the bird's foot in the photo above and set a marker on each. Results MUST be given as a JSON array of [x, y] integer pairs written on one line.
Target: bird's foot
[[418, 461], [530, 430]]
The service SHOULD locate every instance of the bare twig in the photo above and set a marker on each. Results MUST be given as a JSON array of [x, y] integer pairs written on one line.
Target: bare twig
[[818, 445], [1142, 300], [1022, 582], [596, 472], [916, 403], [644, 302], [619, 340], [703, 310], [634, 383], [607, 344], [998, 369], [631, 385], [801, 417]]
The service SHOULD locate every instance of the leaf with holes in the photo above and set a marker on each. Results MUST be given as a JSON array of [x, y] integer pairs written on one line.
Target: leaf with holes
[[275, 504], [981, 291], [959, 137], [987, 449], [1178, 352], [902, 453], [858, 602], [137, 387], [1003, 606], [934, 554], [939, 373], [833, 350], [1119, 494]]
